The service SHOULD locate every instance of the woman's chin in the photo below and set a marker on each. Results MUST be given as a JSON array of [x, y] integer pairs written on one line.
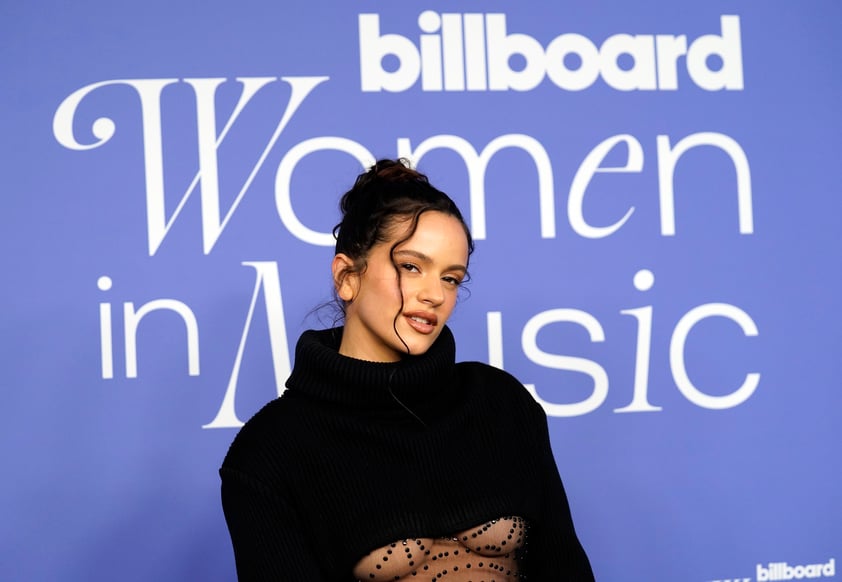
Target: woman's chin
[[420, 345]]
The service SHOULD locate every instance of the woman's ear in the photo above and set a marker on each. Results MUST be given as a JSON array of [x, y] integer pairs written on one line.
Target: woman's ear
[[344, 277]]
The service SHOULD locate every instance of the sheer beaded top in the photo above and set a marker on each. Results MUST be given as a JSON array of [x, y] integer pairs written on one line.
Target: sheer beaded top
[[485, 553]]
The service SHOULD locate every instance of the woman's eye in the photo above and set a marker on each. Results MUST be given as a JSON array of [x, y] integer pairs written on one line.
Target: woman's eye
[[409, 267], [452, 281]]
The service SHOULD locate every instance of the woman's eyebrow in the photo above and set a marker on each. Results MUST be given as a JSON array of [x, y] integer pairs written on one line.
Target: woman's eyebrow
[[425, 259]]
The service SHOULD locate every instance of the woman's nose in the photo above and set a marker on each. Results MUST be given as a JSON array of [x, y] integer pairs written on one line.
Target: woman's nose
[[431, 292]]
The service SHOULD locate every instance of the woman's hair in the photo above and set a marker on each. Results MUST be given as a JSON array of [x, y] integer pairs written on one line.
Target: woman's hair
[[389, 193]]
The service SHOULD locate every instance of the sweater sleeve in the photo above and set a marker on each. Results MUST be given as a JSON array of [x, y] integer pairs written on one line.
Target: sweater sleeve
[[555, 552], [268, 542]]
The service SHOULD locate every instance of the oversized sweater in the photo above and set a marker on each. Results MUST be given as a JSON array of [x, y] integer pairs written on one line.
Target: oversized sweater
[[355, 455]]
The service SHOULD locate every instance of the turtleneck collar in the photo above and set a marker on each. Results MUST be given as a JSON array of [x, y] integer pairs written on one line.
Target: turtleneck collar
[[420, 381]]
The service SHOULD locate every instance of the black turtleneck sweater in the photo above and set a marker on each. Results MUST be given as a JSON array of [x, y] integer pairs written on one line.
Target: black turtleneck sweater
[[355, 455]]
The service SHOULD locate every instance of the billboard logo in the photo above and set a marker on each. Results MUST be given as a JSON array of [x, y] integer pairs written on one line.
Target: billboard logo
[[475, 52], [783, 571]]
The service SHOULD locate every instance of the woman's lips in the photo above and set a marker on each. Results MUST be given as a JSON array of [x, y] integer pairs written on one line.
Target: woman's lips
[[421, 322]]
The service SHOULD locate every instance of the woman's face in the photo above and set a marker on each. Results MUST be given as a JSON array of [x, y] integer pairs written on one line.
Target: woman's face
[[432, 263]]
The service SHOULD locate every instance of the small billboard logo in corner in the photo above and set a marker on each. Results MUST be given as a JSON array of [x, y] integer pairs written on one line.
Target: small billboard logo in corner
[[783, 571], [777, 571]]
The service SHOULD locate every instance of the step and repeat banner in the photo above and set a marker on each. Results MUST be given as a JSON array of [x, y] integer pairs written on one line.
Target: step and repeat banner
[[654, 189]]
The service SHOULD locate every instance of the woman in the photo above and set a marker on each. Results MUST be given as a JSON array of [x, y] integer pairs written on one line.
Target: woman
[[383, 459]]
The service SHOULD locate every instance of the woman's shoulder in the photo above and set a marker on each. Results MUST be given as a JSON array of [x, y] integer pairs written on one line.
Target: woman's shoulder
[[480, 372], [497, 384], [267, 433], [267, 418]]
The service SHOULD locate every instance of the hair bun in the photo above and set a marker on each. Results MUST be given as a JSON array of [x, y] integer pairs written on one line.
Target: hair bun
[[387, 190], [375, 184]]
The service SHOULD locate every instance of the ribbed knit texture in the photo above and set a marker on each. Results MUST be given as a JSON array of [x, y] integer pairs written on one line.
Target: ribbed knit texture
[[357, 454]]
